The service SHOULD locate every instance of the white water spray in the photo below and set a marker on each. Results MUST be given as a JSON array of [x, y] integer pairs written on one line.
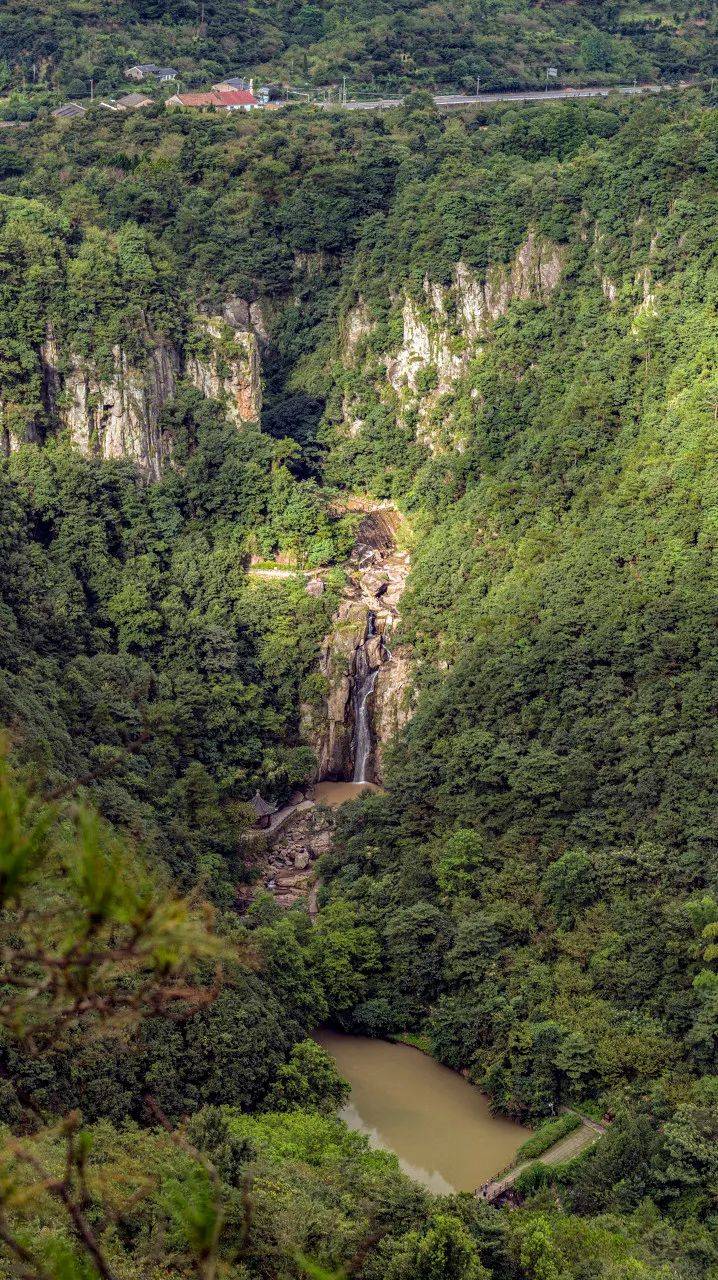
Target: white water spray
[[364, 682]]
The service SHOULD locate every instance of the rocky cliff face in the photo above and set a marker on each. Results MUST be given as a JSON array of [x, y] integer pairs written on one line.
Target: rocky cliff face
[[393, 704], [357, 647], [445, 330], [32, 430], [112, 409], [8, 438], [430, 337], [117, 416], [534, 272], [225, 363]]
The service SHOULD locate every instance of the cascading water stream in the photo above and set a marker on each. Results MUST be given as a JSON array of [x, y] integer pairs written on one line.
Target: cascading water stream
[[364, 682]]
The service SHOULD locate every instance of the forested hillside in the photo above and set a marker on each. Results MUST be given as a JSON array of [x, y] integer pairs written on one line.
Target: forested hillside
[[504, 324], [374, 42]]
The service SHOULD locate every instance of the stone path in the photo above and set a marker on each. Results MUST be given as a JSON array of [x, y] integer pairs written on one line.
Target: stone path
[[565, 1149], [282, 816], [282, 573]]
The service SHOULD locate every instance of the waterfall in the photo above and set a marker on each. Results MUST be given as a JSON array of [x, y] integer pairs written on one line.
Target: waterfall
[[364, 682]]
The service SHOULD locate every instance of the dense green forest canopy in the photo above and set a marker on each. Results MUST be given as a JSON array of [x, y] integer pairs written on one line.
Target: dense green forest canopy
[[536, 895], [395, 43]]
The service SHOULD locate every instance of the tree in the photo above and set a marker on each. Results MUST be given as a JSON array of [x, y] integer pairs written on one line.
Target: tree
[[569, 884], [445, 1251], [538, 1254], [345, 954], [110, 946], [308, 1080], [690, 1159]]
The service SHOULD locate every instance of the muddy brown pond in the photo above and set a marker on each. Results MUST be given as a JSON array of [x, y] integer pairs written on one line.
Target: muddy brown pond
[[439, 1126], [334, 794]]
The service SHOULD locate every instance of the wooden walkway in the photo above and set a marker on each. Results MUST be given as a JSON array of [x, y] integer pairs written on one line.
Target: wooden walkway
[[565, 1149]]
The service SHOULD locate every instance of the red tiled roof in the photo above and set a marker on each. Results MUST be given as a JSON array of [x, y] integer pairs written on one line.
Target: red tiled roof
[[198, 99], [236, 98]]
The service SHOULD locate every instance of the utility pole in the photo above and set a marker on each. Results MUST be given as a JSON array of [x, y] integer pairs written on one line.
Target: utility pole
[[92, 90], [344, 90], [478, 82]]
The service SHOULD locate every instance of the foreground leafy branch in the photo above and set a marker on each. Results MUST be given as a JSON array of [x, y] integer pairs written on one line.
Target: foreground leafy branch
[[87, 937], [111, 943]]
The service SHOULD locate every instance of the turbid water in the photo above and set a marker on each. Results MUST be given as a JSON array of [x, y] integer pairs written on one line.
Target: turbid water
[[332, 794], [438, 1124]]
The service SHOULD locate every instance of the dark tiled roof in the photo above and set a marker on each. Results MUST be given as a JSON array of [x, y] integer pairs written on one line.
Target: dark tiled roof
[[134, 100], [68, 110], [234, 82], [261, 807]]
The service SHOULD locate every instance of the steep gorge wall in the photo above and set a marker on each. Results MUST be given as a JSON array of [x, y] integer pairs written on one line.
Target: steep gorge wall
[[446, 329], [117, 416], [225, 363], [111, 408]]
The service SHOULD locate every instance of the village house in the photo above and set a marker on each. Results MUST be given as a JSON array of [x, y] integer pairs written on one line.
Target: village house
[[262, 94], [198, 101], [148, 70], [238, 100], [231, 100], [233, 82], [129, 102], [133, 101], [69, 111]]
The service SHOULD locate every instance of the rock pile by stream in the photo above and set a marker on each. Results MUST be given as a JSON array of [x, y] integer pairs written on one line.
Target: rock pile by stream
[[289, 872]]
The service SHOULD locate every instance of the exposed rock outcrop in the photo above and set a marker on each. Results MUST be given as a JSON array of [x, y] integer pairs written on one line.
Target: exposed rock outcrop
[[111, 407], [393, 704], [357, 325], [427, 345], [8, 440], [444, 330], [609, 288], [50, 361], [429, 342], [648, 306], [26, 423], [288, 869], [116, 415], [224, 360], [534, 273]]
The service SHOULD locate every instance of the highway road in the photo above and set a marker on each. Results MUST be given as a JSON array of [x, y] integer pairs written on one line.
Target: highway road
[[485, 99]]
